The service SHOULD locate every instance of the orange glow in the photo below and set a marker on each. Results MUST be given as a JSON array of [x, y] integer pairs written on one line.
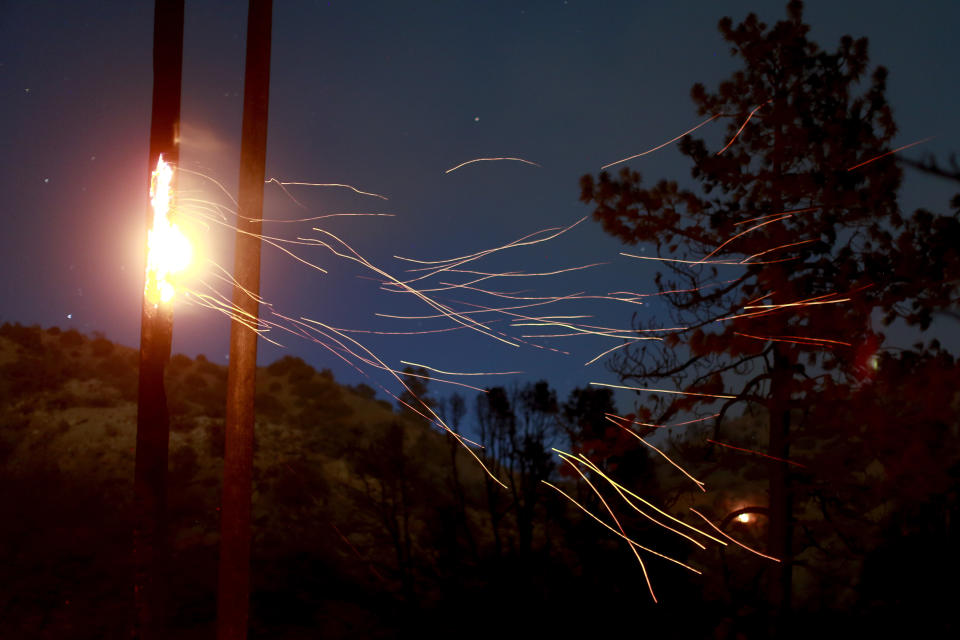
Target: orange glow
[[745, 518], [168, 250]]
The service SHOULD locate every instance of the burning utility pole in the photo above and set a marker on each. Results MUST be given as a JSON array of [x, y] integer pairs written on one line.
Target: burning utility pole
[[233, 589], [156, 330]]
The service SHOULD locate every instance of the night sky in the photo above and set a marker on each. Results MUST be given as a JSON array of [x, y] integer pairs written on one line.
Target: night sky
[[387, 97]]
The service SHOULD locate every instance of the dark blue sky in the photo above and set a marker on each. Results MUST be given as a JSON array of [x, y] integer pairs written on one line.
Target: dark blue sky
[[387, 96]]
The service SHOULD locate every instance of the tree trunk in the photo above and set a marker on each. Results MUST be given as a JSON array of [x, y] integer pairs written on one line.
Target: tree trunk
[[780, 528], [460, 496]]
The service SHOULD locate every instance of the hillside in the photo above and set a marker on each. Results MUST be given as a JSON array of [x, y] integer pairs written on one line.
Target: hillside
[[370, 523], [68, 435], [365, 519]]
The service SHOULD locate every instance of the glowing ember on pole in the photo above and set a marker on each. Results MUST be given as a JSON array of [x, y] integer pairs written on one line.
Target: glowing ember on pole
[[168, 250]]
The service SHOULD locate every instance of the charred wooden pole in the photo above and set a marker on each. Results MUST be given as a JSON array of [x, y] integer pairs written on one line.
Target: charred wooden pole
[[156, 330], [233, 600]]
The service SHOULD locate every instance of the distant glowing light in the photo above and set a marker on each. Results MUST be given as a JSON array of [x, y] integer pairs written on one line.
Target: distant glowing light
[[745, 518], [168, 250]]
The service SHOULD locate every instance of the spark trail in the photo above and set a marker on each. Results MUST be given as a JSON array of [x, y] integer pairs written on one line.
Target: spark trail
[[338, 341], [658, 147], [469, 162], [428, 282]]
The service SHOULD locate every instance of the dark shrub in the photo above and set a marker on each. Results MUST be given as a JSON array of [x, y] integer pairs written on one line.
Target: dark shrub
[[179, 363], [101, 347], [295, 369], [183, 463], [180, 423], [30, 338], [32, 375], [71, 338], [115, 367], [266, 404], [208, 368], [215, 438], [364, 391]]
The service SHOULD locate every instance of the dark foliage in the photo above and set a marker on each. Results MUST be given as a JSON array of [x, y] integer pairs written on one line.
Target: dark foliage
[[799, 208]]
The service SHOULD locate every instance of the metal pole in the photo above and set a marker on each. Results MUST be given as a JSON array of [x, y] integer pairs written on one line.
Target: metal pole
[[233, 604], [156, 329]]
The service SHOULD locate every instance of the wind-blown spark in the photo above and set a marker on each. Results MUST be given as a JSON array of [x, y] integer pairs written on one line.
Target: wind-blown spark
[[782, 246], [519, 274], [434, 379], [447, 311], [433, 416], [757, 453], [795, 304], [774, 215], [624, 492], [679, 393], [479, 310], [743, 126], [768, 309], [583, 330], [324, 217], [661, 259], [623, 534], [631, 542], [795, 340], [520, 242], [326, 184], [454, 373], [672, 140], [739, 544], [607, 352], [884, 155], [746, 231], [463, 164], [700, 485], [659, 426]]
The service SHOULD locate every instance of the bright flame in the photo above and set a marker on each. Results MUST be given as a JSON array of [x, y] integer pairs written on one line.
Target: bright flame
[[168, 250], [745, 518]]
